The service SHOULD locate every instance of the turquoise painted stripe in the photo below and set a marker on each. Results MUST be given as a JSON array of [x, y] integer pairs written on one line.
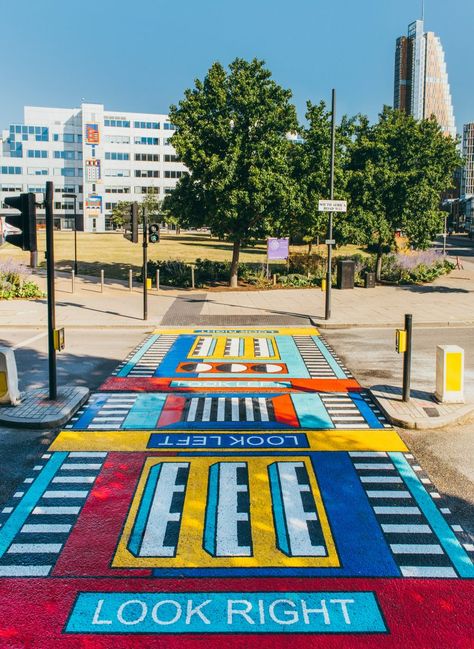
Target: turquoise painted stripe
[[145, 504], [211, 510], [445, 534], [29, 501], [291, 356], [145, 412], [278, 514], [311, 411], [338, 371], [136, 357]]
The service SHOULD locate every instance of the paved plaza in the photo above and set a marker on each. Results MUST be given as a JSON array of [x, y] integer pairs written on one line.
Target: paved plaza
[[232, 485]]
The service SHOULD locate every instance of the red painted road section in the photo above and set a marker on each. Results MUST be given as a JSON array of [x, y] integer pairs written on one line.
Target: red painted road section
[[419, 613]]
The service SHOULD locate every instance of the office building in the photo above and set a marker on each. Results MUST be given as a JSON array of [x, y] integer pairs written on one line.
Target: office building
[[467, 179], [99, 155], [421, 86]]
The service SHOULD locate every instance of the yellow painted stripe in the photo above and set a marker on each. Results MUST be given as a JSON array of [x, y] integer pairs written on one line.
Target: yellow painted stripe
[[453, 371], [324, 440], [190, 552]]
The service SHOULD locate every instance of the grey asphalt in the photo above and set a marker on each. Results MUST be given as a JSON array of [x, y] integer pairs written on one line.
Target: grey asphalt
[[447, 455], [89, 357]]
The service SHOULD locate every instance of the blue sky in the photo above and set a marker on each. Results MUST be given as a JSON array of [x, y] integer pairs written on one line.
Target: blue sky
[[141, 55]]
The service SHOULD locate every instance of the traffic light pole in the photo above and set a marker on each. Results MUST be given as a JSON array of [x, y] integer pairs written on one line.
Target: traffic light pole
[[145, 264], [53, 390], [329, 240]]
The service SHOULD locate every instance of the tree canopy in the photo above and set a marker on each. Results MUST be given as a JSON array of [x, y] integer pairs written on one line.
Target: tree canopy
[[232, 136]]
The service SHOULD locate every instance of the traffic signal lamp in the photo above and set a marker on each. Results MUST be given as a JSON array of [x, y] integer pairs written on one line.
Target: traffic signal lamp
[[153, 233], [131, 228], [25, 221]]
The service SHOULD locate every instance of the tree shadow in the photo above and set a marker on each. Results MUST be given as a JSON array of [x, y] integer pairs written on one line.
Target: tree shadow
[[415, 288]]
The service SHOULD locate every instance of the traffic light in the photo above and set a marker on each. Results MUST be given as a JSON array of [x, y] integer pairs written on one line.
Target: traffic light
[[25, 221], [131, 228], [153, 233]]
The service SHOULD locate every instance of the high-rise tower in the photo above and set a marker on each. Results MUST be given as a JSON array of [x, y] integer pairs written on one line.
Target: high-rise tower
[[421, 85]]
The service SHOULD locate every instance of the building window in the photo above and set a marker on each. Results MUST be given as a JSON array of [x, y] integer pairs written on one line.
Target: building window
[[147, 157], [169, 127], [15, 188], [37, 154], [65, 155], [166, 141], [174, 174], [115, 155], [117, 190], [117, 139], [122, 123], [146, 124], [118, 173], [146, 173], [169, 157], [147, 140], [37, 171], [146, 190]]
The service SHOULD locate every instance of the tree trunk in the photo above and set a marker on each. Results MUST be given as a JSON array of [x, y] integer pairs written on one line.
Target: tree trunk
[[234, 266], [310, 248], [378, 264], [178, 230]]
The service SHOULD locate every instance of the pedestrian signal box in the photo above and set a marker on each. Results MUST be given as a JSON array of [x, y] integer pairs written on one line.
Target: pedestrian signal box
[[59, 339], [401, 341]]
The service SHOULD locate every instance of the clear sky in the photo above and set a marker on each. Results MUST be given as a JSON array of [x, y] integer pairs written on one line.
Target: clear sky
[[141, 55]]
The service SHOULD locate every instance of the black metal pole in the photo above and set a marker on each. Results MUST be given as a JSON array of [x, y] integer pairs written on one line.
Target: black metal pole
[[333, 148], [407, 358], [75, 236], [53, 392], [145, 264]]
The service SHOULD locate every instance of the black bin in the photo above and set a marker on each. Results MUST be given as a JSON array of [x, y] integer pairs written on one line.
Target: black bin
[[369, 280], [345, 273]]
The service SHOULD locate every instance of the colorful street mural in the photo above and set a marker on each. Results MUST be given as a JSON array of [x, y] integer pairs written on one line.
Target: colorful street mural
[[232, 486]]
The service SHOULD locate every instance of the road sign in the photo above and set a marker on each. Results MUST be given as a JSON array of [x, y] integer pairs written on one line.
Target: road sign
[[332, 206]]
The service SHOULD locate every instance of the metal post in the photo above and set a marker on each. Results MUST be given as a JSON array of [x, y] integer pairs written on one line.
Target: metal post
[[75, 234], [445, 234], [192, 276], [130, 280], [145, 264], [407, 358], [53, 390], [72, 281], [34, 259], [157, 280], [329, 241], [102, 281]]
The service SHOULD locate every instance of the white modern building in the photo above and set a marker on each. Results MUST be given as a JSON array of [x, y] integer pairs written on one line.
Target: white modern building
[[467, 178], [101, 156]]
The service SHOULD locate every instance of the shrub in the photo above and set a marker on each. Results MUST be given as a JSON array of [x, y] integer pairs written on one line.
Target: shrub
[[417, 267], [172, 272], [13, 282]]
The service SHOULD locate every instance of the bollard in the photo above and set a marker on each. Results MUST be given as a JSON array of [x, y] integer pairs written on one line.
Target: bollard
[[157, 280], [407, 358], [72, 280], [449, 374], [101, 281], [192, 276], [275, 279], [130, 280]]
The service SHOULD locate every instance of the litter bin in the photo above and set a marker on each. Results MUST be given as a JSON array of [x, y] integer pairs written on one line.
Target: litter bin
[[369, 280], [345, 273]]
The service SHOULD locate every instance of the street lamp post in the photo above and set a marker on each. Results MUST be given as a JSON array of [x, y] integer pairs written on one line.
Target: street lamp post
[[74, 196]]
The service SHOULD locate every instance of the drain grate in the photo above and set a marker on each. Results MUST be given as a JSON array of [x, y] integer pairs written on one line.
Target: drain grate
[[431, 412]]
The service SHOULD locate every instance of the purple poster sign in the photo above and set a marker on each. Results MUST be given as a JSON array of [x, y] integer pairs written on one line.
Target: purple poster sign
[[277, 249]]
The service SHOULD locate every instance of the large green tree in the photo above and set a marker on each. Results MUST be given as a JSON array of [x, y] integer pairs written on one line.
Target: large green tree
[[231, 135], [311, 169], [399, 168], [121, 211]]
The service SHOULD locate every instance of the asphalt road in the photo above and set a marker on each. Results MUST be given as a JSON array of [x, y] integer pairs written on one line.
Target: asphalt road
[[89, 357], [446, 454]]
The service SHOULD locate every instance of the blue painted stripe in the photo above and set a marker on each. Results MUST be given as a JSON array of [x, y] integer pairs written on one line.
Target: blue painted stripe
[[311, 411], [145, 412], [440, 527], [211, 510], [365, 410], [136, 357], [144, 510], [91, 410], [290, 354], [278, 514], [29, 501], [179, 351], [337, 369]]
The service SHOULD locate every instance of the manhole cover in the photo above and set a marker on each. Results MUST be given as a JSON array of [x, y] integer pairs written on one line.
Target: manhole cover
[[431, 412]]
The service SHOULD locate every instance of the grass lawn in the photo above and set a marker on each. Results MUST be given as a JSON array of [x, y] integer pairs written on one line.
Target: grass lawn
[[116, 255]]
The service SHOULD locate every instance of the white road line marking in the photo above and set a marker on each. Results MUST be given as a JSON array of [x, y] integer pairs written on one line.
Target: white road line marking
[[23, 343]]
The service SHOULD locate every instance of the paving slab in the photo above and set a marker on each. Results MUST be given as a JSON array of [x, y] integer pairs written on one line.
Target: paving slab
[[37, 411]]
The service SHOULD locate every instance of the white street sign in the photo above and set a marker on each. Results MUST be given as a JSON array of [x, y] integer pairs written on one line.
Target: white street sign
[[332, 206]]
